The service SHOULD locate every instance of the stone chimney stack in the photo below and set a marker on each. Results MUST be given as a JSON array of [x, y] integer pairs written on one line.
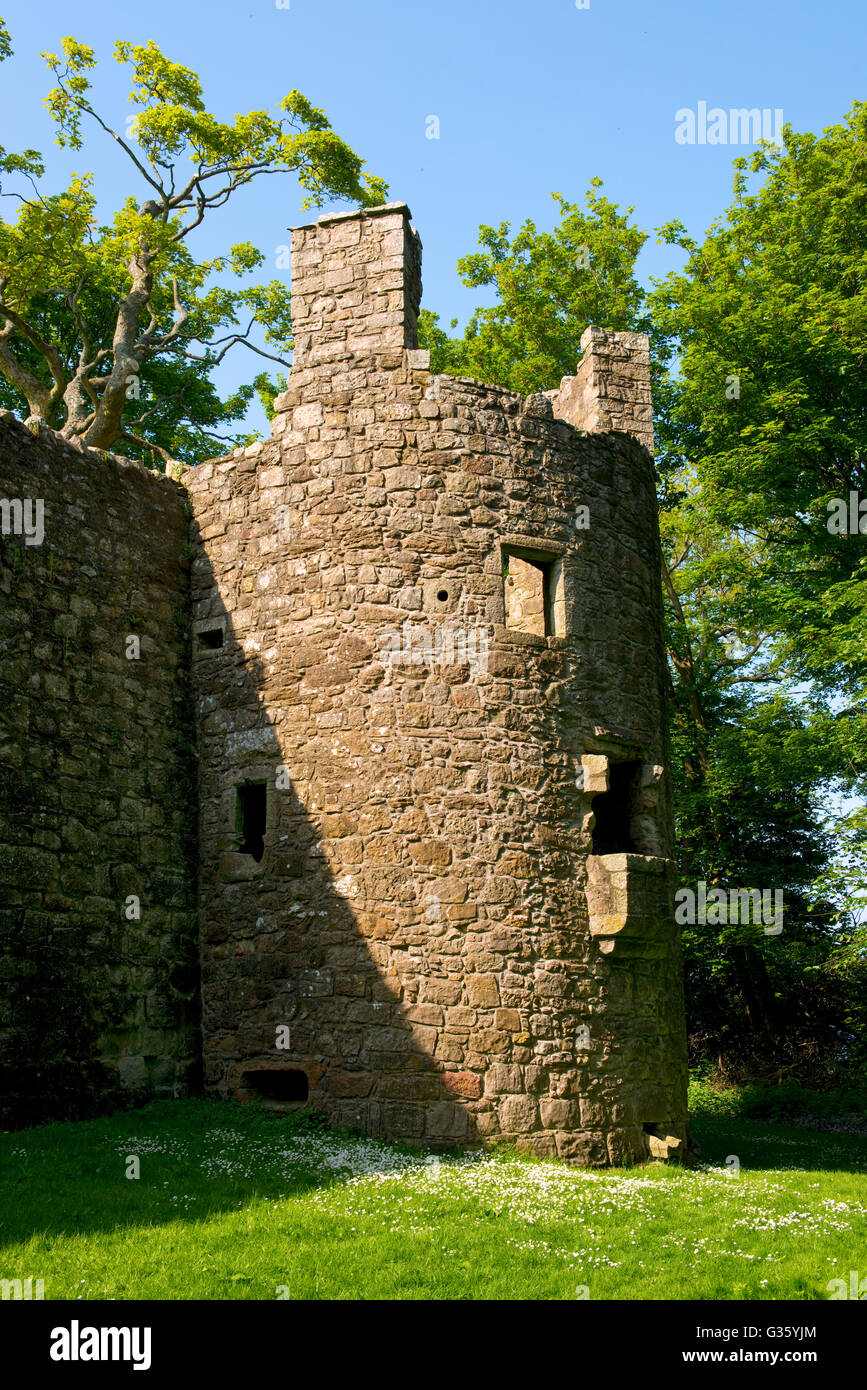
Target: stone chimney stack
[[611, 386], [356, 285]]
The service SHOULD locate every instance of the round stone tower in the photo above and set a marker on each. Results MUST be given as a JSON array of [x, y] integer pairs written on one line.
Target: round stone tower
[[436, 875]]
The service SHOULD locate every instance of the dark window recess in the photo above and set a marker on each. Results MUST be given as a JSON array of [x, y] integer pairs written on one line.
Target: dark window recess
[[277, 1085], [548, 597], [211, 637], [251, 814], [613, 810], [184, 978]]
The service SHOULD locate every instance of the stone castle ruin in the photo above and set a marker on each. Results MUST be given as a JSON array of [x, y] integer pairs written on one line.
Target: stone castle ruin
[[387, 781]]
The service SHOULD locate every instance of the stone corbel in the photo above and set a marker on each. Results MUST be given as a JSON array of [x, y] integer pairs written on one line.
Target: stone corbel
[[630, 898]]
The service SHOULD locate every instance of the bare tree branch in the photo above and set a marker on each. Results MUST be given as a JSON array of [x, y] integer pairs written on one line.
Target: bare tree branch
[[147, 345], [33, 390], [85, 106], [237, 338], [47, 350]]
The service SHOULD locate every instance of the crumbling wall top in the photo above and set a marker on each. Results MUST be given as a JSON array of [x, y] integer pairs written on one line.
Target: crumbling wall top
[[611, 386]]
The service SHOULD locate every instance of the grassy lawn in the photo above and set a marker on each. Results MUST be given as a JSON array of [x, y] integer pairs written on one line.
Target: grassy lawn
[[236, 1203]]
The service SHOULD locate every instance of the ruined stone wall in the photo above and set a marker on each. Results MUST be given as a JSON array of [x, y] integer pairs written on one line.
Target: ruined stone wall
[[424, 939], [356, 285], [434, 839], [96, 787], [611, 386]]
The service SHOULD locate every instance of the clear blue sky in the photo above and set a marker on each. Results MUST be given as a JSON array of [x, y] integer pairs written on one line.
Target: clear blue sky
[[531, 98]]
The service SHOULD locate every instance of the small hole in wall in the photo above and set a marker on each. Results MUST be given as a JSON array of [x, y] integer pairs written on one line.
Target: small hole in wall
[[251, 811], [211, 637], [443, 596], [277, 1085], [184, 978]]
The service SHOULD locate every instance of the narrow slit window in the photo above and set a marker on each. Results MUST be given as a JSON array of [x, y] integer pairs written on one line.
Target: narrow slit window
[[283, 1084], [251, 813], [614, 809], [211, 637]]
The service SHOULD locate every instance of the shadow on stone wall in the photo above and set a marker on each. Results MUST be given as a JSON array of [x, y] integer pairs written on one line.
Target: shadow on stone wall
[[303, 940], [97, 785]]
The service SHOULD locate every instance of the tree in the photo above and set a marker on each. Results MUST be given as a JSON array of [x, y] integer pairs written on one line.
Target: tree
[[110, 333], [770, 406], [549, 286], [752, 762], [765, 424], [446, 354]]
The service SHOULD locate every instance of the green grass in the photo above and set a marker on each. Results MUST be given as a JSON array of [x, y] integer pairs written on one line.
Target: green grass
[[234, 1203]]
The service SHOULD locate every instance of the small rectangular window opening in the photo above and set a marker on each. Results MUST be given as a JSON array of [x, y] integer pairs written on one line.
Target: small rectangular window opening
[[211, 637], [250, 818], [529, 594], [613, 810], [273, 1084]]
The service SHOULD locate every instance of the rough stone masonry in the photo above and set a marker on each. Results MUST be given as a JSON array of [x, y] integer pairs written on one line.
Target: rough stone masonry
[[99, 971], [412, 650], [435, 846]]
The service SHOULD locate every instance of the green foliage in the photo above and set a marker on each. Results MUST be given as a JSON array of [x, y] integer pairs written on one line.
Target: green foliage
[[764, 422], [765, 1100], [549, 287], [112, 331], [267, 388], [445, 352], [774, 297]]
